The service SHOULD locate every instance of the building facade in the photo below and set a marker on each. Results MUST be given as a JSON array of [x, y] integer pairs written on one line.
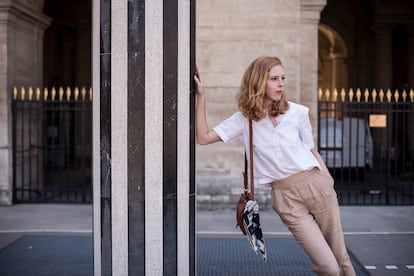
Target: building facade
[[139, 56], [323, 44]]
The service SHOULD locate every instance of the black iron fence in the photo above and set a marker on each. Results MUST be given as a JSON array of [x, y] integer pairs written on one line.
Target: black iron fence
[[52, 145], [367, 141]]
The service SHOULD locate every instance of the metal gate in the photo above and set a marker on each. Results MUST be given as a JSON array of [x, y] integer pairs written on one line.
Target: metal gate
[[367, 141], [52, 145]]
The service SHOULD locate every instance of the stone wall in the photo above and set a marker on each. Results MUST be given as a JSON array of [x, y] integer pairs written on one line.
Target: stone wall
[[230, 34], [21, 60]]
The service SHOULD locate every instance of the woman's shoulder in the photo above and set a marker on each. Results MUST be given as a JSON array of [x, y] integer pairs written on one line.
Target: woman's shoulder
[[237, 117], [238, 114], [297, 107]]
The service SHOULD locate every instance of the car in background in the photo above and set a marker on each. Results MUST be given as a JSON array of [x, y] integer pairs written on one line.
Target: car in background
[[345, 143]]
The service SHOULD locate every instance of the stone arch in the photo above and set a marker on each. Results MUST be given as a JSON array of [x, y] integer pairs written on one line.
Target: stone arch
[[332, 59]]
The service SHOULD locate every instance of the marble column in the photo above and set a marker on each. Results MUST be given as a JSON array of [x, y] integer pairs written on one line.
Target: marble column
[[143, 143]]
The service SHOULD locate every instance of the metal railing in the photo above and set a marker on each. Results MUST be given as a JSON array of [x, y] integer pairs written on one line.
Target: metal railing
[[367, 141], [52, 145]]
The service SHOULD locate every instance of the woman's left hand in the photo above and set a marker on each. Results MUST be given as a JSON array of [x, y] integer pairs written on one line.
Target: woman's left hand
[[199, 82]]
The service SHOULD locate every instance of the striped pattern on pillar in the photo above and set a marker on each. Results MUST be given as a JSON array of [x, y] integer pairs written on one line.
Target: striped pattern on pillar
[[144, 201]]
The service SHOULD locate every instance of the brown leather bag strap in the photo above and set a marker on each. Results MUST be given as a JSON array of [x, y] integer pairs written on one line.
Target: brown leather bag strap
[[251, 159], [251, 164], [245, 173]]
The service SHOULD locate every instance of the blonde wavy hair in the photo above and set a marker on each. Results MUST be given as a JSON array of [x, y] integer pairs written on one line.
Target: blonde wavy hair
[[253, 87]]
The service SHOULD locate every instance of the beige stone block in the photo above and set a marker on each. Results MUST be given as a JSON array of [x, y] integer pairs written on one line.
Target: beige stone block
[[5, 197], [5, 170], [4, 134]]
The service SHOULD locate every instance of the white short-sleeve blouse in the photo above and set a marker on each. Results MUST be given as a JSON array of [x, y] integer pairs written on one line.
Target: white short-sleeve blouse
[[278, 151]]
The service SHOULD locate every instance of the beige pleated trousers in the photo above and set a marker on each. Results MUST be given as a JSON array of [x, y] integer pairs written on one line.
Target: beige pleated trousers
[[307, 204]]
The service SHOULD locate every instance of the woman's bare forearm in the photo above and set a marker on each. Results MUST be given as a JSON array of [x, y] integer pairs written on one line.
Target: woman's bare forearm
[[203, 134]]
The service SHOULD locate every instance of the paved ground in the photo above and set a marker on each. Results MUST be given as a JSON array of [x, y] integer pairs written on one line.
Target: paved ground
[[380, 237]]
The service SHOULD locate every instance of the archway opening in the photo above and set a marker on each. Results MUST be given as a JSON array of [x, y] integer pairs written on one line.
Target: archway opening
[[332, 59]]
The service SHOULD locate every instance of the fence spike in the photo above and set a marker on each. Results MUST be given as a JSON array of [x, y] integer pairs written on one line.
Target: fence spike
[[404, 95], [327, 94], [358, 94], [22, 93], [389, 95], [90, 93], [37, 94], [366, 94], [381, 95], [68, 93], [343, 94], [61, 92], [412, 95], [30, 93], [374, 95], [53, 93], [45, 93], [396, 95], [15, 93], [76, 93], [83, 93], [351, 94], [320, 93], [335, 95]]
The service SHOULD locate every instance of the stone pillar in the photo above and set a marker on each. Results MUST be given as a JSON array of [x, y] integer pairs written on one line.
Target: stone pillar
[[383, 58], [410, 80], [22, 26], [309, 19], [143, 144], [410, 58]]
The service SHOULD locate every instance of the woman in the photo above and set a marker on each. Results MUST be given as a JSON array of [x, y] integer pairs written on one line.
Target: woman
[[286, 160]]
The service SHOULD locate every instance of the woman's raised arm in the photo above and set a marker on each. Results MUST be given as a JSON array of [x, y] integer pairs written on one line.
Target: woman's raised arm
[[204, 135]]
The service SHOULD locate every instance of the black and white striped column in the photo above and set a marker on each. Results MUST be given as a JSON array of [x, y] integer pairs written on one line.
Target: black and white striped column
[[144, 194]]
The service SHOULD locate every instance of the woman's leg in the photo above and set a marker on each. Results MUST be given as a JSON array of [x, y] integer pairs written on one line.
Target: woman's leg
[[310, 237], [295, 215], [328, 218], [309, 208]]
